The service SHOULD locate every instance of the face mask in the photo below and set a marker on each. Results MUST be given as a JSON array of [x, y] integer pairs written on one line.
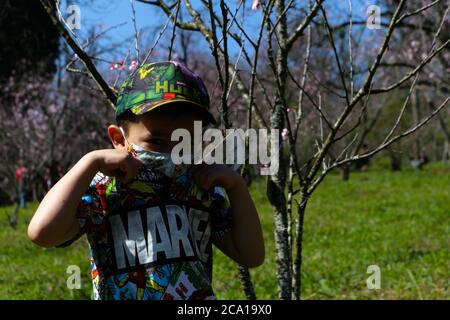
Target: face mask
[[158, 161]]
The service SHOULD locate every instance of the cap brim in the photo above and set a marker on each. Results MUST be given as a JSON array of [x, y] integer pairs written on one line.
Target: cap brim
[[144, 108]]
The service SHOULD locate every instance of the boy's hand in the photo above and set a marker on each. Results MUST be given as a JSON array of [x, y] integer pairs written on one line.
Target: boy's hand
[[118, 163], [208, 176], [244, 243]]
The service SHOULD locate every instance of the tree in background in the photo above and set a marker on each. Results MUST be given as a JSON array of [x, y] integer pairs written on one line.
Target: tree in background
[[29, 46]]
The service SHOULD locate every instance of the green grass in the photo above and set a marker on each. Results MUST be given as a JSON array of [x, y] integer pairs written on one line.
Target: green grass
[[398, 221]]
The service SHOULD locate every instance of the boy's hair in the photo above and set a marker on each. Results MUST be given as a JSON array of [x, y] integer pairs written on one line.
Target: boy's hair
[[124, 120], [175, 110]]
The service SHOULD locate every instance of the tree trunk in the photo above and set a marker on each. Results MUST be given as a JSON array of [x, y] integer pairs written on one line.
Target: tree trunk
[[14, 216], [246, 283], [345, 170], [297, 276], [276, 184], [275, 193], [396, 162], [443, 125], [446, 152], [416, 117], [243, 273]]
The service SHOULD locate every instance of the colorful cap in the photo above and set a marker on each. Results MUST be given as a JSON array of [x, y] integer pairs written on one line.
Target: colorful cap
[[159, 84]]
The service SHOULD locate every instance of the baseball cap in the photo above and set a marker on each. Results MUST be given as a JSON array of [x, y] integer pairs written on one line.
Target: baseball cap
[[159, 84]]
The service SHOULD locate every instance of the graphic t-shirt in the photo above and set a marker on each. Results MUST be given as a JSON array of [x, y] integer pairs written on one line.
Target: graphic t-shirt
[[152, 238]]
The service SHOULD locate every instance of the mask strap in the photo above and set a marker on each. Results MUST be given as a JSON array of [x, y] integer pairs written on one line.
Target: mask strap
[[130, 146]]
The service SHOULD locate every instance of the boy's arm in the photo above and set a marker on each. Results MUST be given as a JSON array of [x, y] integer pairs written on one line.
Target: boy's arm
[[55, 220], [244, 243]]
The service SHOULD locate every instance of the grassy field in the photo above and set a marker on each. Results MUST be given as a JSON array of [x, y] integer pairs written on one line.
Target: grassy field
[[398, 221]]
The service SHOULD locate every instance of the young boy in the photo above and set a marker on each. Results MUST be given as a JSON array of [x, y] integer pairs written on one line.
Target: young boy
[[149, 227]]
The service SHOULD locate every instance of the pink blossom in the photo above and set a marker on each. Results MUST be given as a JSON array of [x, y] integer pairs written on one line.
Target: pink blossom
[[415, 45], [52, 107], [257, 4], [409, 54], [285, 134], [133, 65], [115, 66]]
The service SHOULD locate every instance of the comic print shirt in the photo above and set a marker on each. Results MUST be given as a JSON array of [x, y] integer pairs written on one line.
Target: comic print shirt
[[152, 238]]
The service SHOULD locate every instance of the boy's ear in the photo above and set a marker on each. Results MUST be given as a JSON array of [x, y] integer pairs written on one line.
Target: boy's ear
[[116, 137]]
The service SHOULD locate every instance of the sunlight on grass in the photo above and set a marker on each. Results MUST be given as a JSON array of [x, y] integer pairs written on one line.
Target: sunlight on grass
[[398, 221]]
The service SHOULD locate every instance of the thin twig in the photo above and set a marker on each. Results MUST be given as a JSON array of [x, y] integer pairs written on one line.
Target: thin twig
[[136, 33], [173, 30], [93, 72], [157, 39]]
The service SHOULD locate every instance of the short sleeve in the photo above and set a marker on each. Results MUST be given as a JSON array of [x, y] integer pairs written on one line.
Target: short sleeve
[[90, 202], [222, 219]]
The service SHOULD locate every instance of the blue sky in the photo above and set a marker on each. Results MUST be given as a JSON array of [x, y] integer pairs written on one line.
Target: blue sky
[[102, 14]]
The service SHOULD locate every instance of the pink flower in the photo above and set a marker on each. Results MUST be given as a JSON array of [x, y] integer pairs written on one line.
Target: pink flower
[[115, 66], [52, 107], [285, 134], [133, 65], [257, 4], [409, 54]]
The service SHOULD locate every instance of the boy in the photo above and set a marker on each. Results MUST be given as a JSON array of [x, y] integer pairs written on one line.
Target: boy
[[150, 227]]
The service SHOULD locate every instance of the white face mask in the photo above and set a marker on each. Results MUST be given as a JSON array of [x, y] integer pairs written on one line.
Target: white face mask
[[159, 161]]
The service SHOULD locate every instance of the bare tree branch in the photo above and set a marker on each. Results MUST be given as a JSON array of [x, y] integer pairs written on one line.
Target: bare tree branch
[[136, 33], [93, 72], [302, 26], [381, 147]]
